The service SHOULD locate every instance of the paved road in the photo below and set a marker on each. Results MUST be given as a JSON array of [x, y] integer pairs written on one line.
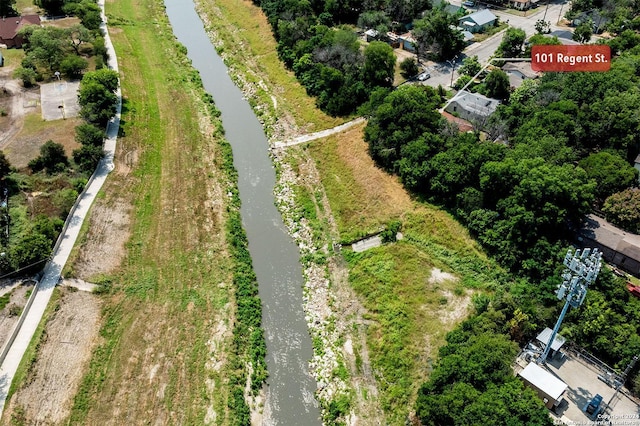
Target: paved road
[[441, 73], [66, 243]]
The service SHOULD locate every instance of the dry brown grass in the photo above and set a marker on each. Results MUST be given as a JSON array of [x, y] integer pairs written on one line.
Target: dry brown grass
[[362, 195], [25, 146]]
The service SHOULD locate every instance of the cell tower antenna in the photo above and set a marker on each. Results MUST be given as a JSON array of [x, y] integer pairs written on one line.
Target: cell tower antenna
[[581, 270]]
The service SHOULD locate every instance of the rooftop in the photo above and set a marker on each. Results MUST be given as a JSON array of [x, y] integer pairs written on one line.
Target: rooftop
[[481, 17], [11, 25], [608, 235], [543, 380], [477, 103]]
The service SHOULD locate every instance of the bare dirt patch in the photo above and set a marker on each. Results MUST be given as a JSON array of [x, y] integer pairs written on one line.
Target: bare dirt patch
[[102, 250], [9, 315], [64, 352], [456, 309], [439, 276]]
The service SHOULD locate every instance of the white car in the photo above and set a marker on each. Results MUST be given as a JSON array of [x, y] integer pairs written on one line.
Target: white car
[[424, 76]]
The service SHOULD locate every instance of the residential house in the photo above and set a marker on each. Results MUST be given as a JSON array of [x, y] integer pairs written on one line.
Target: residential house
[[618, 247], [595, 16], [448, 8], [478, 21], [564, 37], [9, 28], [472, 107], [407, 42], [518, 72], [463, 125], [520, 4]]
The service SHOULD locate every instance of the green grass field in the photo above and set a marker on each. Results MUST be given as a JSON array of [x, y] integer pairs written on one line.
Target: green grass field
[[169, 310]]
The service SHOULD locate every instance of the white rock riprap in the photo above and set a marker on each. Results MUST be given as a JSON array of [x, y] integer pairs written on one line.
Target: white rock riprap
[[318, 297]]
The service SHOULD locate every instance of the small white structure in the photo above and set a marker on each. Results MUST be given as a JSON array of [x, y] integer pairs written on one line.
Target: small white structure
[[547, 386], [557, 343]]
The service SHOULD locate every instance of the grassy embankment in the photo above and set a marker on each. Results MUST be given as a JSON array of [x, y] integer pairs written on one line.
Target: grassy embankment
[[168, 319], [409, 314]]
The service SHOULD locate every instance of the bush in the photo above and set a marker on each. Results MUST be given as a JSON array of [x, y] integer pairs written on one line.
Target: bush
[[73, 66], [87, 158], [88, 134], [27, 75], [409, 67], [52, 158]]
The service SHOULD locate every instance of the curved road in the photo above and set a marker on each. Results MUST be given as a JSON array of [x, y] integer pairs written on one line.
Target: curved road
[[65, 242]]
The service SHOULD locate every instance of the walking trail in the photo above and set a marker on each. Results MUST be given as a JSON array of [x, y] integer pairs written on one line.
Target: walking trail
[[317, 135], [20, 338]]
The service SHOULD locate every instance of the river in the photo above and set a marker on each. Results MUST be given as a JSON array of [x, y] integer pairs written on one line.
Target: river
[[276, 259]]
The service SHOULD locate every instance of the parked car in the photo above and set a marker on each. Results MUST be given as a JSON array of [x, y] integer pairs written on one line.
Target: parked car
[[468, 4], [594, 406], [424, 76]]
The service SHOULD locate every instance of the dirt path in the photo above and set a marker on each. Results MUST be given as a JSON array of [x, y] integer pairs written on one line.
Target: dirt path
[[16, 111]]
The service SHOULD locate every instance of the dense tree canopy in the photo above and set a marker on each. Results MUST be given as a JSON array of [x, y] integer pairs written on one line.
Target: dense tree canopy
[[435, 35], [96, 96], [405, 115], [611, 172], [623, 209]]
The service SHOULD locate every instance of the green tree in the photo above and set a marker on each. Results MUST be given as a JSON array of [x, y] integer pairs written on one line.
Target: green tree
[[435, 34], [375, 19], [512, 43], [88, 134], [96, 96], [497, 84], [88, 12], [106, 77], [409, 67], [623, 209], [52, 7], [27, 75], [470, 66], [79, 35], [379, 65], [45, 46], [73, 66], [611, 172], [87, 157], [583, 32], [32, 250], [52, 158], [5, 166], [542, 26], [540, 40], [405, 114]]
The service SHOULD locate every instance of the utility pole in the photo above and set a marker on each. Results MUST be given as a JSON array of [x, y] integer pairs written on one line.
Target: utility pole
[[624, 379], [452, 62], [582, 270]]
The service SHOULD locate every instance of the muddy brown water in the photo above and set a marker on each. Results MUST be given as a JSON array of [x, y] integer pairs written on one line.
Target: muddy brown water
[[276, 259]]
